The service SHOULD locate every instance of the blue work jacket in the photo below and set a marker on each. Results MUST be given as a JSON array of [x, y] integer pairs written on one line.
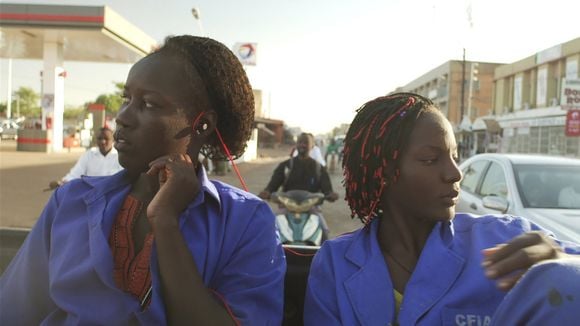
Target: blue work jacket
[[349, 281], [63, 273]]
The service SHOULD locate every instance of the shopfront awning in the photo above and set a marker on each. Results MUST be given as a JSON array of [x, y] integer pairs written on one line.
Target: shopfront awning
[[488, 124]]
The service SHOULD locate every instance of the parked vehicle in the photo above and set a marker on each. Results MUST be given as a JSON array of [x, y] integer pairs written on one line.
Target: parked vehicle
[[9, 129], [544, 189], [300, 221]]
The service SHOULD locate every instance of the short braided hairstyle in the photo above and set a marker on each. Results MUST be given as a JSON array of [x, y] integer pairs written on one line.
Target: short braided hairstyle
[[227, 86], [373, 146]]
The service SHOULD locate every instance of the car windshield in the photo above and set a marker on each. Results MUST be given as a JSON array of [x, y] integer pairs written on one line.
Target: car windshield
[[548, 186]]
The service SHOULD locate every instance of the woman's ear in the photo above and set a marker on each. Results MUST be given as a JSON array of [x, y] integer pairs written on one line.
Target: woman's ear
[[205, 125]]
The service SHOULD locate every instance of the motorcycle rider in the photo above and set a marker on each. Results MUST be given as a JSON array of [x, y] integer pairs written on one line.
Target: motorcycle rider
[[301, 173]]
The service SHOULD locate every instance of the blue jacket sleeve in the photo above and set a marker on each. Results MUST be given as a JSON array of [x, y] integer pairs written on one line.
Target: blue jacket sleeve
[[321, 304], [568, 247], [252, 281], [24, 286], [546, 295]]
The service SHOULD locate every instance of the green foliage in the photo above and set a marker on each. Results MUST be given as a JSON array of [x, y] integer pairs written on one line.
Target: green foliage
[[27, 102], [112, 102], [74, 113], [24, 101]]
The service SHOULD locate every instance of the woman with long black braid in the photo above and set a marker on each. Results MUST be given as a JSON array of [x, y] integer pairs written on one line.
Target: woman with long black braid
[[415, 261]]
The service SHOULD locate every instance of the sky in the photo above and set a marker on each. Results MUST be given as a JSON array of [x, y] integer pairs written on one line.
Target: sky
[[319, 60]]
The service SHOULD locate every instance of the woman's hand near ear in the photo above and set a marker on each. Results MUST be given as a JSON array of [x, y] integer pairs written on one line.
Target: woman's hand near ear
[[185, 295], [178, 185]]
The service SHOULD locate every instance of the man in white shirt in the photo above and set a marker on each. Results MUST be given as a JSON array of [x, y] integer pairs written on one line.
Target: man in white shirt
[[97, 161]]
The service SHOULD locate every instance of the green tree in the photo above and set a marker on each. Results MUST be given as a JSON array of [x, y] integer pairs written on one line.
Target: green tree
[[74, 113], [26, 102], [112, 101]]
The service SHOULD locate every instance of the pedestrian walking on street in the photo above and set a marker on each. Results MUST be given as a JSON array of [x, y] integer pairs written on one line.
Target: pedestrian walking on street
[[158, 243], [416, 261]]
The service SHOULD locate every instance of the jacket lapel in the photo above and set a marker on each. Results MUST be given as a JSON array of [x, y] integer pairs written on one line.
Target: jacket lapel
[[369, 290], [436, 272], [102, 205]]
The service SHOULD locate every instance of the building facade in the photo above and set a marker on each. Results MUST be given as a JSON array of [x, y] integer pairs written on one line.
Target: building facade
[[443, 86], [531, 105], [461, 105]]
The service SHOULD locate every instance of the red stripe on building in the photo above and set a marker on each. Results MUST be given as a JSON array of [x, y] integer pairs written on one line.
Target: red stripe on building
[[53, 18], [24, 140]]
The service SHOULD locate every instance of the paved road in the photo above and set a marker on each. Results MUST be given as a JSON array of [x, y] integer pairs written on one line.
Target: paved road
[[24, 175]]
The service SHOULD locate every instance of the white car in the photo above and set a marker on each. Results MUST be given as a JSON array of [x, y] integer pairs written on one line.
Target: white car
[[543, 189], [8, 129]]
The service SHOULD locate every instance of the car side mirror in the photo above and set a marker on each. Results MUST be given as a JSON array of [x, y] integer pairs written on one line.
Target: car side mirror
[[495, 202]]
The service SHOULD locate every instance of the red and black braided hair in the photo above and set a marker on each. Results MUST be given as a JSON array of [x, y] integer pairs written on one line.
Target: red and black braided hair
[[373, 145]]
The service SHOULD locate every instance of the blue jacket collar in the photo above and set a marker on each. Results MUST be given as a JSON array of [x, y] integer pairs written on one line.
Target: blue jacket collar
[[103, 201], [372, 285]]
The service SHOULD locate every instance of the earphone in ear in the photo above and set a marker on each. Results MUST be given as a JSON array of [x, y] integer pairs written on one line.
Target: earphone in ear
[[201, 128]]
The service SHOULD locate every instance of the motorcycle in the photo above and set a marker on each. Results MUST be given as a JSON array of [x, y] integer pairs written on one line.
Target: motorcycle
[[300, 221]]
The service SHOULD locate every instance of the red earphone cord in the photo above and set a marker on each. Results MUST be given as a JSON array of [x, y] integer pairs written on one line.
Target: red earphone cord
[[226, 149], [231, 159]]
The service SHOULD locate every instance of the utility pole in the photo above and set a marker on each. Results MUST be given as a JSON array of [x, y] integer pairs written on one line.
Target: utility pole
[[473, 77], [197, 16], [9, 97], [462, 107]]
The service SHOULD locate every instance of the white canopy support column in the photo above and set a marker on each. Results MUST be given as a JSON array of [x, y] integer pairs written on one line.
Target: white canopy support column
[[55, 33], [52, 101]]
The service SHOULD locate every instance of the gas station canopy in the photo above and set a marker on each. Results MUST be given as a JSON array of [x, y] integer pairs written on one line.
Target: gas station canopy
[[55, 34], [86, 33]]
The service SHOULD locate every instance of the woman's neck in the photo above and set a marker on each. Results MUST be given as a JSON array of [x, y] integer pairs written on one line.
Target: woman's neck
[[144, 187], [401, 239], [403, 236]]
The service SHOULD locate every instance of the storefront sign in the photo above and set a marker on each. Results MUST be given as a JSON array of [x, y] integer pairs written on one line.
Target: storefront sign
[[573, 123], [571, 94]]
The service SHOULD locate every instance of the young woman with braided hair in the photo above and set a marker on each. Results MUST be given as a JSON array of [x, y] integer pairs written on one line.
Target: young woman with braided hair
[[417, 262], [158, 243]]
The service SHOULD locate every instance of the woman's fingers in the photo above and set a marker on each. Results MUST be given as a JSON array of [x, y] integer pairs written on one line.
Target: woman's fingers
[[519, 254], [506, 283], [164, 166], [523, 258]]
